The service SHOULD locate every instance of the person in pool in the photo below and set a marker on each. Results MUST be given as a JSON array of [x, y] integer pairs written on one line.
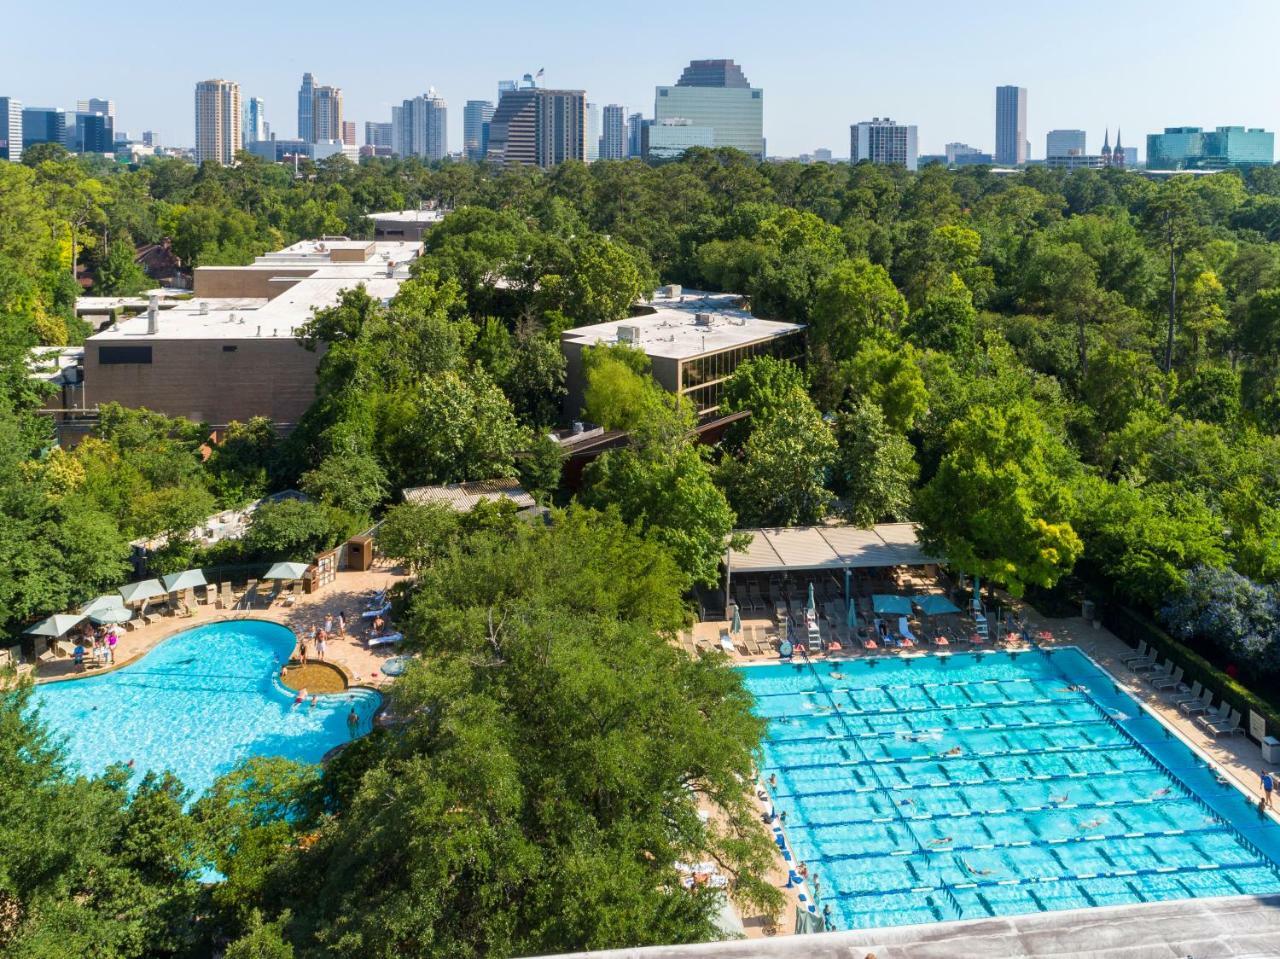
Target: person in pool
[[1059, 800], [969, 868], [302, 694], [1162, 791], [353, 722]]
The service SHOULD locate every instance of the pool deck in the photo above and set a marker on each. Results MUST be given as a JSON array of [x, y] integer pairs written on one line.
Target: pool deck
[[1243, 927], [347, 594], [1238, 756]]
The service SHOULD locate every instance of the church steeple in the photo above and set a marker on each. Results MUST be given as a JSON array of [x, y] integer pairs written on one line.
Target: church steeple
[[1106, 144]]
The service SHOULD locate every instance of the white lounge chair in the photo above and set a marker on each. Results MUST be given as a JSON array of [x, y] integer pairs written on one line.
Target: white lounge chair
[[386, 639], [1143, 654], [375, 613], [1173, 681]]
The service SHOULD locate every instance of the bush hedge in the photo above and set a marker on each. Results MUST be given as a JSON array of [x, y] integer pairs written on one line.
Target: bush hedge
[[1133, 628]]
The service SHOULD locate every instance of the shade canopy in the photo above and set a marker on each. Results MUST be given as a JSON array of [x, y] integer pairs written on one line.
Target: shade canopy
[[889, 605], [106, 601], [287, 571], [794, 548], [935, 605], [187, 579], [147, 589], [111, 614], [55, 625]]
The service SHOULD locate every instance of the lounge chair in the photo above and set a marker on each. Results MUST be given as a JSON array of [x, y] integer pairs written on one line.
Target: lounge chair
[[904, 630], [940, 639], [1190, 697], [1162, 675], [294, 593], [1142, 655], [1197, 707], [868, 641], [373, 642], [379, 598], [1172, 682], [1212, 716], [1146, 666], [375, 613], [726, 644], [1227, 727]]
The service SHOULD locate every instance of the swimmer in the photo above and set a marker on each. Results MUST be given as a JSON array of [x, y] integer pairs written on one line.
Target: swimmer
[[314, 699], [975, 872], [1162, 791], [953, 751], [353, 721], [773, 780], [1093, 823], [906, 802], [835, 674], [1059, 800], [131, 763], [782, 817], [941, 841], [302, 694]]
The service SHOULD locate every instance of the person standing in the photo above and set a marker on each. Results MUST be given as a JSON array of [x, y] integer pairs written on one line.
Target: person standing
[[1268, 785], [342, 623], [320, 638], [328, 622]]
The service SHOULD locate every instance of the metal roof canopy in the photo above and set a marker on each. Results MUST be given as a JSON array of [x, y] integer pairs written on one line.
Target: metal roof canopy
[[779, 549]]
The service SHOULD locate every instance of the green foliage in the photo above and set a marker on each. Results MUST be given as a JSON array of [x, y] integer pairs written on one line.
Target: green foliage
[[779, 478], [295, 530], [417, 534], [352, 482], [874, 469], [892, 379], [1000, 505], [856, 304]]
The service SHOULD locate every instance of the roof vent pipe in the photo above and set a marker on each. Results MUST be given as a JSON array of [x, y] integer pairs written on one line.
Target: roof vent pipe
[[153, 314]]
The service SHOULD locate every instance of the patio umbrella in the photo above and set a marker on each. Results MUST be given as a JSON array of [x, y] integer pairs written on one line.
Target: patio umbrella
[[106, 601], [139, 592], [736, 625], [890, 605], [813, 607], [187, 579], [110, 614], [287, 571], [934, 605], [56, 625]]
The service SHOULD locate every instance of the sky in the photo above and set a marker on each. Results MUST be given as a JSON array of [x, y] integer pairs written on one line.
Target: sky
[[823, 64]]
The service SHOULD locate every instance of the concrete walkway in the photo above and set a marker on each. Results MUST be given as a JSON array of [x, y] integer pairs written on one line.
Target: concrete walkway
[[1238, 926]]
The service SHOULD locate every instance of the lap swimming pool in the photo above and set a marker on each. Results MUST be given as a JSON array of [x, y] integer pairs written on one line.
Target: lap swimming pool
[[198, 704], [935, 788]]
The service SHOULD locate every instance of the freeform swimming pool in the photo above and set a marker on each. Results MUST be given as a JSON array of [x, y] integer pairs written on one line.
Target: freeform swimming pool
[[935, 788], [198, 704]]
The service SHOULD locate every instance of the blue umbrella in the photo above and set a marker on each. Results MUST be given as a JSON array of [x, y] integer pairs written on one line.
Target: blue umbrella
[[890, 605], [934, 605]]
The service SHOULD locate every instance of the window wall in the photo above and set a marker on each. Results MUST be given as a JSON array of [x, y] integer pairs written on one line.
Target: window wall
[[702, 379]]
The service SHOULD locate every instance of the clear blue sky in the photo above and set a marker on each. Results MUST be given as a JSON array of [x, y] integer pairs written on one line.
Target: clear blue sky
[[822, 63]]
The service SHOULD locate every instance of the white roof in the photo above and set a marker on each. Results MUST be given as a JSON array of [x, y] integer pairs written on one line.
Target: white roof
[[462, 497], [829, 547], [670, 329], [243, 318], [409, 216]]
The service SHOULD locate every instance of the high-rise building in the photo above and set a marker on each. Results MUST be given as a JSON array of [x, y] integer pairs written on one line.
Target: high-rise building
[[11, 133], [349, 132], [95, 105], [669, 139], [378, 134], [961, 154], [89, 133], [1065, 143], [1193, 148], [306, 109], [254, 126], [327, 114], [149, 139], [1130, 157], [716, 94], [592, 136], [43, 125], [635, 134], [613, 134], [1011, 126], [420, 127], [539, 127], [218, 136], [475, 133], [883, 141]]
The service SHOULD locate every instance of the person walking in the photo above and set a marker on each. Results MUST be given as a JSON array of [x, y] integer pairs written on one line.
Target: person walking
[[320, 638], [342, 623], [1268, 785]]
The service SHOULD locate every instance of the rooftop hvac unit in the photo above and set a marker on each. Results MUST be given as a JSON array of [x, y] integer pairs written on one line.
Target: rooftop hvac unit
[[672, 291], [204, 307], [628, 333], [702, 319]]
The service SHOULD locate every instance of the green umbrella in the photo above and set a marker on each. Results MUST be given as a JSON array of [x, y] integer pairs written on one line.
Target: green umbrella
[[736, 625], [138, 592], [106, 601], [111, 614], [813, 606], [888, 604], [187, 579], [56, 625], [934, 605], [287, 571]]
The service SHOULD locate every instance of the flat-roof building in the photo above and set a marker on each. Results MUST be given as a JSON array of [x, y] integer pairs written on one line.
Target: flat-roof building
[[694, 341], [883, 141], [404, 224], [715, 94], [1194, 148], [231, 352]]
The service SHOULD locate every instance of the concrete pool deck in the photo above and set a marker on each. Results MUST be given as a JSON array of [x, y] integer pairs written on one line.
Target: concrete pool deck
[[347, 593], [1236, 927]]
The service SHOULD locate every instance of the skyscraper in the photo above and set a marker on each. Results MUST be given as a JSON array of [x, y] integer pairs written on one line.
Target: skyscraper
[[1065, 143], [716, 94], [10, 129], [635, 134], [475, 121], [420, 127], [1011, 126], [613, 136], [349, 132], [592, 135], [378, 134], [43, 125], [539, 127], [306, 109], [326, 114], [217, 121], [96, 105], [254, 126], [883, 141]]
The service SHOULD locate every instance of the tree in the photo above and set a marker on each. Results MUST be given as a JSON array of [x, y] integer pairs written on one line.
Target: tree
[[118, 274], [1171, 216], [621, 395], [779, 479], [353, 482], [857, 302], [890, 378], [293, 529], [1000, 505], [1212, 395], [947, 319], [874, 467], [417, 534], [759, 386]]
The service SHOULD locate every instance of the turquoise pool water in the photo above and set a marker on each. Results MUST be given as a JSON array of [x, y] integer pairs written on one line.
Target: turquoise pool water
[[199, 704], [935, 788]]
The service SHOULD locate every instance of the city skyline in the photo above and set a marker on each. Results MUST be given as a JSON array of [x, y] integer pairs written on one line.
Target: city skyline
[[1130, 74]]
